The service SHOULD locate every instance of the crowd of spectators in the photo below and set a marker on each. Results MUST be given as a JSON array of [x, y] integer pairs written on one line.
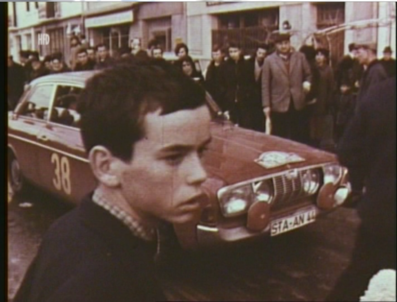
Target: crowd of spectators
[[276, 89]]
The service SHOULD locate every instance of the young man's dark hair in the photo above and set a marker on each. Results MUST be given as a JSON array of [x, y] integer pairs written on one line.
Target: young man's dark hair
[[217, 48], [234, 44], [352, 46], [180, 46], [81, 50], [130, 92], [100, 45]]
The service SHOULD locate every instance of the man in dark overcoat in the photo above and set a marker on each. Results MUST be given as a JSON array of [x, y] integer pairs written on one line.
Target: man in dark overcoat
[[144, 143], [368, 150], [374, 70], [213, 75], [15, 82], [235, 86], [254, 98], [389, 63]]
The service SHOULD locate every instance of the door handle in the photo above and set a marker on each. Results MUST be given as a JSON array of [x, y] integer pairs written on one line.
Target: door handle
[[42, 137]]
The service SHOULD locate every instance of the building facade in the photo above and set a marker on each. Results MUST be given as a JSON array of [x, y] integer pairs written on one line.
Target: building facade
[[211, 23], [199, 24]]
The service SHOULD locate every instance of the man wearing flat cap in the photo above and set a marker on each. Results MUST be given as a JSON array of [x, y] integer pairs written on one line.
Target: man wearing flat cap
[[374, 70], [286, 79], [388, 62]]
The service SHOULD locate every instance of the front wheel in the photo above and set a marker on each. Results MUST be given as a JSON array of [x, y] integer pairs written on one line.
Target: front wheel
[[16, 180]]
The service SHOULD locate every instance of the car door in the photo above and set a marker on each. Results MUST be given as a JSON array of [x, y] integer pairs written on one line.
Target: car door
[[64, 166], [24, 127]]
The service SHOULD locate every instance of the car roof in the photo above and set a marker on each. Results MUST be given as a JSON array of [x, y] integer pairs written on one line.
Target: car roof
[[71, 77]]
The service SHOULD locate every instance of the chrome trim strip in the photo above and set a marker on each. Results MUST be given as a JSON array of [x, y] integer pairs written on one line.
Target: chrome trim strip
[[261, 178], [207, 229], [49, 148]]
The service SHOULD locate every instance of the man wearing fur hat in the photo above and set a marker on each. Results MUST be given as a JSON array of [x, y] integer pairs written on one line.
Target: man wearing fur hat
[[286, 79]]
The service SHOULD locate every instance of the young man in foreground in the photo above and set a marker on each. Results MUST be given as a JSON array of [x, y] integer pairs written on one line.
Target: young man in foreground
[[145, 126]]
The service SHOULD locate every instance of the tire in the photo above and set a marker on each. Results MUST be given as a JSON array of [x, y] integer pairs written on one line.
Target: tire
[[16, 180]]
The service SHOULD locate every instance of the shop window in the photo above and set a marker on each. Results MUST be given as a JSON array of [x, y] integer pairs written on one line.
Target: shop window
[[330, 13], [163, 37], [247, 28], [57, 40]]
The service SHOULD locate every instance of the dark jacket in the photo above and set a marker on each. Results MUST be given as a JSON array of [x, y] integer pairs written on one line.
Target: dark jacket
[[390, 66], [213, 81], [80, 67], [64, 68], [254, 98], [15, 83], [325, 89], [40, 72], [235, 88], [108, 62], [348, 72], [88, 255], [368, 150], [374, 74]]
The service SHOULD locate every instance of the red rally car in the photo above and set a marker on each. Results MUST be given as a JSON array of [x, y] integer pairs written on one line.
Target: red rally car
[[258, 184]]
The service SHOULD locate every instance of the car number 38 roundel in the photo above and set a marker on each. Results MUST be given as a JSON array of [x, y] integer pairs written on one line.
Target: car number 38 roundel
[[61, 179]]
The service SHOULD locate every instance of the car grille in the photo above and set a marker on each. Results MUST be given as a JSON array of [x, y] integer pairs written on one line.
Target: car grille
[[288, 190]]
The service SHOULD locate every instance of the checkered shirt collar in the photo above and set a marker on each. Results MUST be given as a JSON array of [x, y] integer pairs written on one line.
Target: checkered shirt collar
[[135, 226]]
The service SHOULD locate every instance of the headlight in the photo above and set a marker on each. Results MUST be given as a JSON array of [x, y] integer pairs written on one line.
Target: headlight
[[236, 201], [263, 191], [310, 181], [332, 173]]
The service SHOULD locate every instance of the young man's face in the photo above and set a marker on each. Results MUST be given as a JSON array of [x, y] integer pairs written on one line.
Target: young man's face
[[135, 44], [102, 52], [387, 55], [182, 52], [36, 65], [217, 56], [363, 56], [260, 54], [157, 53], [234, 53], [187, 68], [56, 65], [82, 58], [91, 54], [320, 58], [283, 47], [162, 180]]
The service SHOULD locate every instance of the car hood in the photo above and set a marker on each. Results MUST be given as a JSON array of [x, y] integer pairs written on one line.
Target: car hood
[[233, 153]]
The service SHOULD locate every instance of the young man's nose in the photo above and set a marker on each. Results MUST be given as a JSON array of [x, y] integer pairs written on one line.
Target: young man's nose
[[196, 173]]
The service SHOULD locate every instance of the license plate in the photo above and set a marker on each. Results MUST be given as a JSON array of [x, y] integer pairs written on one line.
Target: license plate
[[292, 222]]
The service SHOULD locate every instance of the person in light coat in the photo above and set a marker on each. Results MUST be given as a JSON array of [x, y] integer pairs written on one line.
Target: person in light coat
[[286, 79]]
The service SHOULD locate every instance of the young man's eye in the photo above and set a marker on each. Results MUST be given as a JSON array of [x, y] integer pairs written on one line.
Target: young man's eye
[[202, 151], [174, 160]]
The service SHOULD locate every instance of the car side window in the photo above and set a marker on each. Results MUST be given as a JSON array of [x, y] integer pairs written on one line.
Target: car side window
[[37, 102], [64, 109]]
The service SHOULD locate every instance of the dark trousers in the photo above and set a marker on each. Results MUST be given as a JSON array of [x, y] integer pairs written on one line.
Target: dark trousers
[[372, 252], [293, 124]]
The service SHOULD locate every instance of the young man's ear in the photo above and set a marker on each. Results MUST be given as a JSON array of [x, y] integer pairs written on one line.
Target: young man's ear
[[103, 165]]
